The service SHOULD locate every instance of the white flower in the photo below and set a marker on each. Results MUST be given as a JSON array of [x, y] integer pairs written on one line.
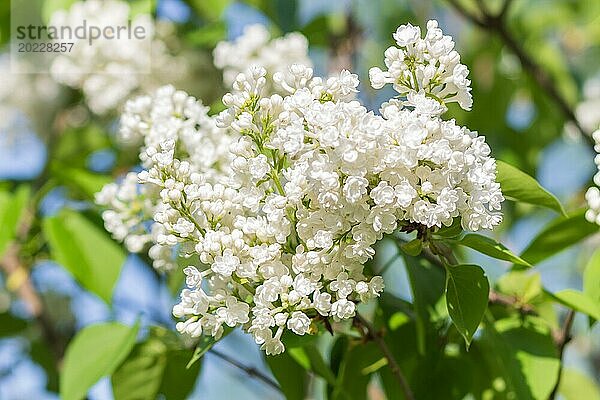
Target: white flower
[[429, 66], [355, 187], [193, 277], [255, 47], [378, 78], [298, 323], [593, 193], [234, 312], [273, 347], [225, 264], [258, 166], [383, 194], [406, 35], [343, 309], [322, 302], [424, 105]]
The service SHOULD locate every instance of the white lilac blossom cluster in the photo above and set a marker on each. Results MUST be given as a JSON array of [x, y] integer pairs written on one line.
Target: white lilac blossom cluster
[[148, 120], [426, 66], [256, 48], [110, 70], [282, 243], [593, 193], [310, 182], [168, 116]]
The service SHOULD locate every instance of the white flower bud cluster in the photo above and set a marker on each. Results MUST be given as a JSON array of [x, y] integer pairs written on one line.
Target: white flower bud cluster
[[593, 193], [428, 66], [256, 48], [129, 207], [168, 117], [110, 70]]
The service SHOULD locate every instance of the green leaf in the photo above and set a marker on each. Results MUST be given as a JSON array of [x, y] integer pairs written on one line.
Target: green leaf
[[140, 7], [43, 356], [209, 35], [291, 340], [522, 285], [427, 286], [311, 359], [140, 375], [318, 364], [289, 374], [450, 231], [10, 325], [209, 9], [467, 291], [179, 381], [412, 248], [152, 368], [524, 355], [492, 248], [519, 186], [559, 234], [74, 145], [591, 278], [84, 181], [12, 207], [576, 386], [281, 12], [86, 251], [579, 302], [352, 375], [96, 351]]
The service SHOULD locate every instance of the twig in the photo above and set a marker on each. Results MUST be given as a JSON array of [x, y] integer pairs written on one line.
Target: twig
[[496, 24], [504, 9], [394, 367], [563, 337], [509, 301], [343, 47], [250, 371]]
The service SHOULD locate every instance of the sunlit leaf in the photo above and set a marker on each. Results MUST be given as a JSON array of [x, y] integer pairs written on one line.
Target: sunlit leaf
[[559, 234], [524, 354], [579, 301], [521, 285], [86, 251], [96, 351], [492, 248], [591, 277], [575, 385], [519, 186]]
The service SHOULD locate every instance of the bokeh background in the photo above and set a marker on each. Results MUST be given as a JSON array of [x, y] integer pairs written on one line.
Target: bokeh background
[[525, 123]]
